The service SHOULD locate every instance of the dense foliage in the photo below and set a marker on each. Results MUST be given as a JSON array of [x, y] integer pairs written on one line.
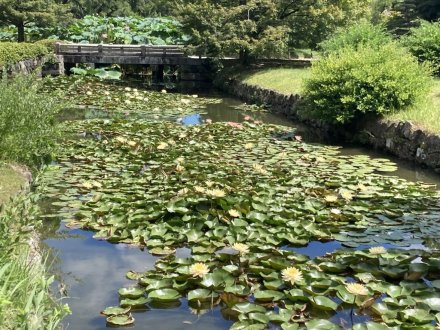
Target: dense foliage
[[361, 34], [424, 43], [27, 127], [23, 12], [12, 52], [350, 82], [25, 299]]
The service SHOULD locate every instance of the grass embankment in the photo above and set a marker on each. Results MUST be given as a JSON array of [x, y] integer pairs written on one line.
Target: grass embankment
[[11, 182], [291, 81], [27, 136]]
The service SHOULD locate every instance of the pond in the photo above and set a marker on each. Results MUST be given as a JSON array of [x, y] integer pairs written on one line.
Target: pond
[[200, 212]]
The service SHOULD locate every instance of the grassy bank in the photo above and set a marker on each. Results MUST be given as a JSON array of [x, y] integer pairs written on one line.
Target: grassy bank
[[11, 181], [27, 136], [291, 81]]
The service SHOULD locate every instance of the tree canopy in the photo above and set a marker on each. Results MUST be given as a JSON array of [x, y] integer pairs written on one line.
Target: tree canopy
[[22, 12]]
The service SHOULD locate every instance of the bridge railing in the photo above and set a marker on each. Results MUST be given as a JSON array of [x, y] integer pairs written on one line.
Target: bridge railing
[[120, 50]]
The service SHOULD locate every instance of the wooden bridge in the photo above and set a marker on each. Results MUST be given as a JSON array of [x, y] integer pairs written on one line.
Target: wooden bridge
[[126, 54]]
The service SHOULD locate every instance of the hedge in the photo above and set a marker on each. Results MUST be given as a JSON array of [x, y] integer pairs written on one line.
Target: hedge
[[13, 52]]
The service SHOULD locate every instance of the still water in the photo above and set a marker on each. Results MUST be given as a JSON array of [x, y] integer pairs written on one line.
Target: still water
[[90, 271]]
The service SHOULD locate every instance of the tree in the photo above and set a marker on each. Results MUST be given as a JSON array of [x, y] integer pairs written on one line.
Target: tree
[[22, 12], [250, 28]]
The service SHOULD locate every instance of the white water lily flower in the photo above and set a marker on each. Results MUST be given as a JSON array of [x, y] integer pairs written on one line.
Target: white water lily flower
[[357, 289], [96, 184], [128, 89], [185, 101], [292, 275], [163, 91], [162, 146], [180, 159], [195, 96], [89, 93], [335, 211], [131, 143], [209, 183], [199, 269], [106, 93], [180, 168], [183, 191], [240, 248], [234, 213], [377, 250], [127, 102], [121, 139]]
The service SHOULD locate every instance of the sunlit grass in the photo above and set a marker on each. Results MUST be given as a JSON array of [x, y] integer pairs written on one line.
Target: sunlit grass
[[11, 182], [283, 80], [426, 114]]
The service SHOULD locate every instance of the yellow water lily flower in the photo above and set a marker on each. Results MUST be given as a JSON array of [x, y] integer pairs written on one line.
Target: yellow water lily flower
[[282, 155], [87, 185], [199, 269], [127, 102], [162, 146], [259, 169], [163, 91], [180, 159], [180, 168], [121, 139], [89, 93], [347, 195], [131, 143], [185, 101], [361, 187], [128, 89], [199, 189], [331, 198], [335, 211], [249, 146], [357, 289], [209, 183], [241, 248], [216, 193], [183, 191], [106, 93], [292, 275], [234, 213], [377, 250]]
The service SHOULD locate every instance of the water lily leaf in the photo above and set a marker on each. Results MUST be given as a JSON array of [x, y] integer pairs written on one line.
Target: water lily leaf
[[115, 310], [202, 294], [321, 325], [164, 295], [323, 303], [268, 295], [134, 302], [247, 307], [416, 316], [132, 292], [120, 320]]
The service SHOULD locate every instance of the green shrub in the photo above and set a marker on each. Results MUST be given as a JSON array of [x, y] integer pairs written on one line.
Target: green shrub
[[352, 82], [49, 44], [355, 36], [27, 124], [12, 52], [424, 43]]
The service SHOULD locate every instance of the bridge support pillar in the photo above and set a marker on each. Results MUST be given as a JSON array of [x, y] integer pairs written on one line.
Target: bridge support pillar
[[158, 73]]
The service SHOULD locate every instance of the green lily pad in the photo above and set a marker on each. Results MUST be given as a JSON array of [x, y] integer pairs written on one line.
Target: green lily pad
[[164, 295]]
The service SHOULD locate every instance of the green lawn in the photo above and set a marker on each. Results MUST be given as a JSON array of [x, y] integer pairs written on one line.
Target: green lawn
[[283, 80], [11, 181], [290, 81]]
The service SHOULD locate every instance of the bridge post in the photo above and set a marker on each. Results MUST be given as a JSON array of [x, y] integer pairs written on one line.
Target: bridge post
[[158, 73]]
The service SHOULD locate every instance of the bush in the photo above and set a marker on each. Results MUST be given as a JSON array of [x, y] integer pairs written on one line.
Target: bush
[[424, 43], [13, 52], [27, 125], [352, 82], [355, 36]]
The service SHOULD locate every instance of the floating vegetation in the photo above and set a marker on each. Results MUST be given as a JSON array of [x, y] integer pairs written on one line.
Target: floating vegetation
[[239, 196], [119, 99]]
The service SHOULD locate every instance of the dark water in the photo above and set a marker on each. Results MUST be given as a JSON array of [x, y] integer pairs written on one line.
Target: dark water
[[92, 271]]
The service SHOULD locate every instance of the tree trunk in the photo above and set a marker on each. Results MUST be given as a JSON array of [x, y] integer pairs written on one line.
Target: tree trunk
[[20, 28]]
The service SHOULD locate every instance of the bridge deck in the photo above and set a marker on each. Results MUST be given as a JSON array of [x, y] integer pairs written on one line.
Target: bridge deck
[[125, 54]]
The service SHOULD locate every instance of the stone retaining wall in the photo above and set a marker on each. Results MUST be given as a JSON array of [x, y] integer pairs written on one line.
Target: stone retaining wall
[[401, 139], [50, 65]]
